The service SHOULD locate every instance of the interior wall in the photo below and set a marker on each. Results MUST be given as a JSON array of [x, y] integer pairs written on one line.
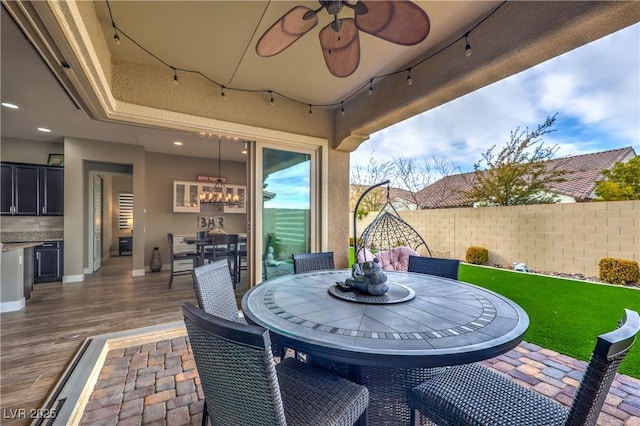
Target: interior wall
[[28, 151], [79, 153], [162, 170]]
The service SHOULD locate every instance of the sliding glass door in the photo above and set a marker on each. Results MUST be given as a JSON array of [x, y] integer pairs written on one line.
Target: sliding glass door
[[286, 208], [285, 217]]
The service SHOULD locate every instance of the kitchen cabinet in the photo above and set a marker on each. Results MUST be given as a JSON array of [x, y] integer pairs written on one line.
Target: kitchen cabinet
[[19, 192], [125, 246], [51, 191], [31, 190], [47, 262], [186, 197]]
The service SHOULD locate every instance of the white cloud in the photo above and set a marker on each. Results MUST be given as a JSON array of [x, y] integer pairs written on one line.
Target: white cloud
[[595, 90]]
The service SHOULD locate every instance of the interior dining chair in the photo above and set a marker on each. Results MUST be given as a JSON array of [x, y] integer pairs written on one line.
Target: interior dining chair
[[243, 386], [475, 395], [446, 268], [307, 262], [224, 246], [179, 256]]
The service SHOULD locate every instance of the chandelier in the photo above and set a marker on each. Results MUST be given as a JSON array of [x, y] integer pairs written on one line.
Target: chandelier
[[219, 194]]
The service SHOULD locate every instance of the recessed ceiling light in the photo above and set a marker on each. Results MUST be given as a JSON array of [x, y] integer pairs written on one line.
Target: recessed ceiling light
[[177, 143], [44, 129], [8, 105]]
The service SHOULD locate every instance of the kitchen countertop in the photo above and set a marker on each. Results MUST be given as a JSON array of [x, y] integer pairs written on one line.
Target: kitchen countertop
[[15, 240], [19, 246]]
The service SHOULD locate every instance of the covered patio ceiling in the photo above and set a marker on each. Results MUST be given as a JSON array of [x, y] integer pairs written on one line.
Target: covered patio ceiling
[[210, 46]]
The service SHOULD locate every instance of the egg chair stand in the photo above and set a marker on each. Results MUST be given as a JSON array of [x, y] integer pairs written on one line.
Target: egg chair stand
[[388, 229]]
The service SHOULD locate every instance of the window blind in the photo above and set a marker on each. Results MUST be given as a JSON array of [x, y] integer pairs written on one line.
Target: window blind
[[125, 210]]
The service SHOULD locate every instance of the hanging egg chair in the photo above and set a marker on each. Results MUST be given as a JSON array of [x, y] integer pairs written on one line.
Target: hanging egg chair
[[388, 229]]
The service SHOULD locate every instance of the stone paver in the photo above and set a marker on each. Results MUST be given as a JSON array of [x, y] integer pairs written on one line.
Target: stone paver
[[157, 383]]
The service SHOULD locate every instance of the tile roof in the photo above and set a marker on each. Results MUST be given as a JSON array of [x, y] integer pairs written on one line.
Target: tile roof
[[585, 170]]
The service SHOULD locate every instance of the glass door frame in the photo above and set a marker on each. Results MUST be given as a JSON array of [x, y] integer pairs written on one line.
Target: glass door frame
[[317, 149]]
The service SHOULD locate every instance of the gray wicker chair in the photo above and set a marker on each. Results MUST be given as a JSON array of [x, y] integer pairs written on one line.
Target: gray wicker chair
[[243, 386], [214, 290], [307, 262], [215, 294], [474, 395], [447, 268]]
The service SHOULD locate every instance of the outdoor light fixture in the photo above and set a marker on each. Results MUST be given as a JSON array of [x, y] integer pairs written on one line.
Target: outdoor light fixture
[[467, 46], [218, 194]]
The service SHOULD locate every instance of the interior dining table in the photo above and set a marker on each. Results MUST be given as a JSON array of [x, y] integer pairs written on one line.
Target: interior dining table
[[389, 343], [202, 240]]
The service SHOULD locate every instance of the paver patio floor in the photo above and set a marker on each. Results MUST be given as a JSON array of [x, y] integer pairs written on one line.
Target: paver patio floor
[[158, 383]]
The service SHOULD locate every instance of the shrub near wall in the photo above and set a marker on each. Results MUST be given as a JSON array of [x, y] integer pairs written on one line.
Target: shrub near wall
[[618, 271], [477, 255]]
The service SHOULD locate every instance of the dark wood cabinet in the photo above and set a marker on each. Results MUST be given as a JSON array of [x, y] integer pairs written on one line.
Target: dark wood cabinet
[[125, 247], [31, 190], [20, 195], [51, 191], [47, 262]]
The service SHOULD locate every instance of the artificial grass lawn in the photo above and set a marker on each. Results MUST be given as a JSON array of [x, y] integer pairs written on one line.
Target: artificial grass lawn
[[564, 315]]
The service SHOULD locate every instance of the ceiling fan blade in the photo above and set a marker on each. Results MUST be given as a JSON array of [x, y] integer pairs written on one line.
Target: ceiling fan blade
[[341, 49], [401, 22], [285, 31]]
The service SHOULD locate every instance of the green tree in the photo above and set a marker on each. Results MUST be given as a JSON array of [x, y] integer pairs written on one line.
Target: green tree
[[520, 173], [622, 182]]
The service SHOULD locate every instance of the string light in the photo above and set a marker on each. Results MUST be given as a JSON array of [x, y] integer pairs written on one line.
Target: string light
[[340, 103], [116, 37], [467, 46]]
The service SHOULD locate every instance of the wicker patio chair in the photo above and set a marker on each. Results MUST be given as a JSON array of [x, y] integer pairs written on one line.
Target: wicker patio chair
[[307, 262], [474, 395], [447, 268], [243, 386], [214, 291]]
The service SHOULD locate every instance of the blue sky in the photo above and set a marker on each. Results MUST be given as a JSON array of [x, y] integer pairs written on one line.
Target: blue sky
[[595, 90]]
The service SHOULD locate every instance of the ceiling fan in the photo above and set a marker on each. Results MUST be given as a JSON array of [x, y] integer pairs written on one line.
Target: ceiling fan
[[398, 21]]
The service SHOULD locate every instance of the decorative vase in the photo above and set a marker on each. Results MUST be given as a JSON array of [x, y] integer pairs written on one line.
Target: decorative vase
[[156, 262]]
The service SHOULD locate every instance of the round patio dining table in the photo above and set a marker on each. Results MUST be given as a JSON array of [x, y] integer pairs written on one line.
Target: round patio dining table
[[389, 347]]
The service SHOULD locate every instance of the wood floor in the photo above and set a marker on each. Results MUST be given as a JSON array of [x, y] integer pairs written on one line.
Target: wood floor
[[38, 342]]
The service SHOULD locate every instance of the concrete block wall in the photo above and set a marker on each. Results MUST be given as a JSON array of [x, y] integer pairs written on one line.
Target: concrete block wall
[[570, 238]]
